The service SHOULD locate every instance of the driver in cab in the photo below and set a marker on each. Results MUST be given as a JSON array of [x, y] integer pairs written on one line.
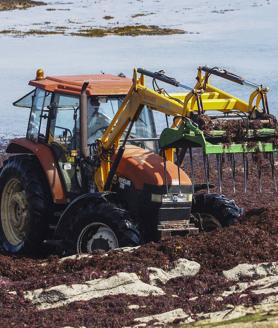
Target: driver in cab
[[98, 121]]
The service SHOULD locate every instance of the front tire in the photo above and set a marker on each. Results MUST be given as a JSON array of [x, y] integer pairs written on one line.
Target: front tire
[[24, 205], [213, 211], [100, 226]]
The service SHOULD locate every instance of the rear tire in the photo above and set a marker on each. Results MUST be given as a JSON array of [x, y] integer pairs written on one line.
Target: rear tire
[[101, 226], [24, 205], [214, 211]]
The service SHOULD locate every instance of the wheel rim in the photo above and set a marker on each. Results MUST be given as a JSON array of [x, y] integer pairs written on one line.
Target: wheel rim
[[14, 212], [96, 236]]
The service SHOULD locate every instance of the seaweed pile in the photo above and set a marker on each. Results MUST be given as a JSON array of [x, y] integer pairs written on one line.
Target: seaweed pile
[[254, 240], [236, 129]]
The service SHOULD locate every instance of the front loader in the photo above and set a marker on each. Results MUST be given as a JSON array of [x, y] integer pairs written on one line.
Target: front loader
[[218, 123], [91, 173]]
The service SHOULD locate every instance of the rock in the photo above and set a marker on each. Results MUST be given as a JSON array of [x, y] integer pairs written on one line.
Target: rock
[[13, 292], [121, 283], [219, 299], [134, 306], [270, 290], [127, 249], [182, 268], [272, 299], [165, 318], [193, 298], [267, 285], [252, 271], [75, 257], [84, 256]]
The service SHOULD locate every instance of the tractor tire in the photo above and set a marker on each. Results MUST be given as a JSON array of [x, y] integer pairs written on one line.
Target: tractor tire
[[24, 205], [212, 211], [100, 226]]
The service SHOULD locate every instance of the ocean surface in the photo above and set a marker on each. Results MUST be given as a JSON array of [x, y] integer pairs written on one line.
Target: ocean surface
[[241, 36]]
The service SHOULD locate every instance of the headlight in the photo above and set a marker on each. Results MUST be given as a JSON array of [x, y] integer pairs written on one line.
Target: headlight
[[156, 198]]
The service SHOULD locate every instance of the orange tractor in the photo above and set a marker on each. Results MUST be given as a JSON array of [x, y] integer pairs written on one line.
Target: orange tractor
[[92, 173]]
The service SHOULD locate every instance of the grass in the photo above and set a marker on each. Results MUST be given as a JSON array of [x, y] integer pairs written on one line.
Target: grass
[[248, 318]]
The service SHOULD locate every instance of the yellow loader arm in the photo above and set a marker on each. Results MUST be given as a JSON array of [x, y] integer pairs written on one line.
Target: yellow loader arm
[[138, 96]]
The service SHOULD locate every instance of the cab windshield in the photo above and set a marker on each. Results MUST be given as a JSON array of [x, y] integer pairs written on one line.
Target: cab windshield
[[101, 111], [64, 127]]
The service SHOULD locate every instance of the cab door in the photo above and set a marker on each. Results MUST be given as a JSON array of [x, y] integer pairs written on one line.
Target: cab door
[[64, 139]]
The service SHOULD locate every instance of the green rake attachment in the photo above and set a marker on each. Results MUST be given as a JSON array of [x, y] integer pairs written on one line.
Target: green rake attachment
[[188, 135]]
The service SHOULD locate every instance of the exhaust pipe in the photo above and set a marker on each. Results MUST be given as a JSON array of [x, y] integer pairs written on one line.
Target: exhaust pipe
[[84, 121]]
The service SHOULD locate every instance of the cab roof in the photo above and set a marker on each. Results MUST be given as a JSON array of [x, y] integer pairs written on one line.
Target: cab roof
[[99, 84]]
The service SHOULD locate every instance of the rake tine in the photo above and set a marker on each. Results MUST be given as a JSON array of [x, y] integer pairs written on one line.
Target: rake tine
[[259, 168], [245, 171], [247, 167], [219, 171], [233, 168], [271, 159], [206, 168], [192, 169]]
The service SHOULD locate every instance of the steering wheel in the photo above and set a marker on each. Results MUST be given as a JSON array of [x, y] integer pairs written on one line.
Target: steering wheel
[[64, 138]]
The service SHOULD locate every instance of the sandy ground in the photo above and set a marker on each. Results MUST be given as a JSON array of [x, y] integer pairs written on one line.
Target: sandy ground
[[195, 280]]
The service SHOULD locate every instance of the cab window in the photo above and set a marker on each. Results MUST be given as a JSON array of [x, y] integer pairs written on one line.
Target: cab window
[[25, 101], [64, 127], [101, 111], [39, 114]]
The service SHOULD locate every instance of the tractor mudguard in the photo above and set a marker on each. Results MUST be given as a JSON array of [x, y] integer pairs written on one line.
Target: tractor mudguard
[[47, 161], [76, 204]]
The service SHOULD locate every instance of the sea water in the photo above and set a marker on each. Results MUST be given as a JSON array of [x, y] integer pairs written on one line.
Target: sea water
[[241, 36]]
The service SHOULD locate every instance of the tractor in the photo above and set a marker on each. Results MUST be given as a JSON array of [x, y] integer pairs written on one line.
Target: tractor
[[92, 174]]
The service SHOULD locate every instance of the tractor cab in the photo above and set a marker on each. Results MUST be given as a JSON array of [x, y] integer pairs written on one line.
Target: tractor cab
[[55, 118]]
